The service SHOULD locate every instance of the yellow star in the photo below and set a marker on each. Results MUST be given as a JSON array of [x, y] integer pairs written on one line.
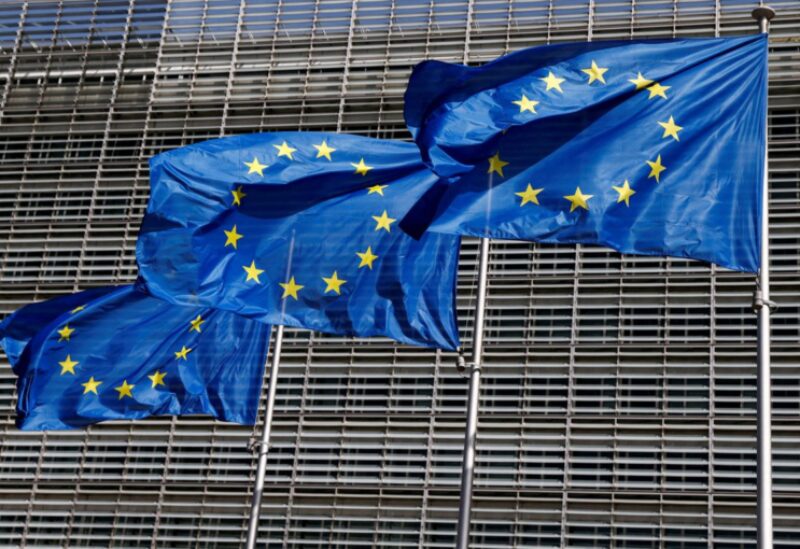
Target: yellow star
[[366, 258], [290, 288], [496, 165], [552, 81], [579, 200], [124, 390], [68, 365], [640, 81], [77, 309], [183, 353], [196, 323], [285, 150], [255, 167], [361, 167], [625, 193], [595, 73], [529, 195], [658, 89], [253, 272], [656, 168], [334, 283], [323, 150], [526, 104], [65, 332], [383, 222], [232, 237], [91, 386], [238, 194], [671, 129], [377, 189], [157, 379]]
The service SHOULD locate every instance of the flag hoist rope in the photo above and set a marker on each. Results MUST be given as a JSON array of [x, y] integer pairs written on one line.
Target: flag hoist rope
[[764, 306]]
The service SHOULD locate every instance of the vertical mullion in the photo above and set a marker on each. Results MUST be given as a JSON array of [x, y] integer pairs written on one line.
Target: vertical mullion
[[571, 410], [201, 37], [232, 68], [348, 59], [509, 25], [712, 412], [119, 504], [467, 30], [272, 64], [207, 471], [12, 61], [425, 492], [309, 61], [162, 488], [590, 22], [386, 69], [10, 76], [429, 30], [302, 413]]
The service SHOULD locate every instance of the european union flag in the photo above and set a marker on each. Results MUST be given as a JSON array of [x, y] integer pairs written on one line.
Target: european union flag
[[116, 353], [300, 229], [648, 147]]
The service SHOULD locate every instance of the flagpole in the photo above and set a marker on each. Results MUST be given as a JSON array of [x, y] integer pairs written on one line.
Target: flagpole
[[263, 446], [764, 307], [471, 434]]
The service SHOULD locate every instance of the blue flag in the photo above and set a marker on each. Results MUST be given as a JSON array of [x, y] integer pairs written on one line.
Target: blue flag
[[648, 147], [116, 353], [300, 229]]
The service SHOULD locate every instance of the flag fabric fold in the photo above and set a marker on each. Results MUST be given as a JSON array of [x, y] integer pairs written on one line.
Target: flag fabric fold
[[117, 353], [309, 239], [648, 147]]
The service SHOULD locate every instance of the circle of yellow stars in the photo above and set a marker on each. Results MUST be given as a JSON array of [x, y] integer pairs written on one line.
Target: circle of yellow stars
[[291, 288], [125, 390], [552, 83], [333, 284]]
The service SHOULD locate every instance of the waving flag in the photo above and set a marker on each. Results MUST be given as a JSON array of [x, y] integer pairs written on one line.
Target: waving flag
[[116, 353], [649, 147], [300, 229]]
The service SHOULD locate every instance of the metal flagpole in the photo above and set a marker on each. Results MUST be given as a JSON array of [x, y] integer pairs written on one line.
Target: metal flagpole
[[764, 307], [263, 446], [470, 436], [474, 394]]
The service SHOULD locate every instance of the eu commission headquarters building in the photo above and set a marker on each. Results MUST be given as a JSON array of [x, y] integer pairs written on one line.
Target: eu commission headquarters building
[[618, 401]]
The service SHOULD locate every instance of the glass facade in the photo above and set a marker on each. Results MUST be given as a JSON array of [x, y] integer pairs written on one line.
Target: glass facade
[[619, 392]]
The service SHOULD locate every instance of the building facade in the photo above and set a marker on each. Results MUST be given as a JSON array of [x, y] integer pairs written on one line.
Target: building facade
[[618, 403]]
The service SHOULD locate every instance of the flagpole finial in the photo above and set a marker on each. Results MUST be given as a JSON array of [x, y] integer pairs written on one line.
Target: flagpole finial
[[763, 14]]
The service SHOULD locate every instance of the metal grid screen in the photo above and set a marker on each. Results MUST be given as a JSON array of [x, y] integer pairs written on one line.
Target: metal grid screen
[[618, 401]]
